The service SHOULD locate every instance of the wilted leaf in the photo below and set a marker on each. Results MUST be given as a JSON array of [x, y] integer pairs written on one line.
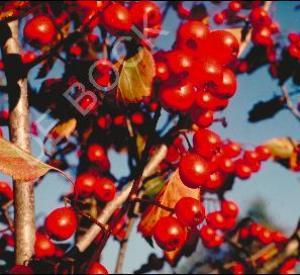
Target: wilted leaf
[[19, 164], [136, 77], [62, 130], [281, 148], [169, 196]]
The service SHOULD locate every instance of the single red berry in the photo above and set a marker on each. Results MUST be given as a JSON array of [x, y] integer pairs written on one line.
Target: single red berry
[[97, 154], [145, 14], [229, 224], [214, 182], [119, 120], [255, 229], [216, 220], [40, 31], [223, 46], [179, 61], [191, 34], [232, 149], [242, 170], [43, 247], [206, 143], [293, 37], [263, 153], [189, 211], [206, 101], [229, 209], [265, 236], [169, 233], [262, 36], [251, 156], [138, 118], [21, 269], [226, 165], [97, 268], [103, 122], [259, 17], [173, 155], [288, 266], [162, 71], [206, 233], [178, 98], [61, 223], [244, 233], [216, 241], [116, 18], [6, 192], [28, 57], [219, 18], [228, 86], [237, 268], [105, 189], [85, 184], [75, 50], [202, 119], [279, 237], [234, 6], [194, 170]]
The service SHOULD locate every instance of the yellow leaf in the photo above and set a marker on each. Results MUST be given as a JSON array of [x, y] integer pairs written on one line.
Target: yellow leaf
[[136, 76], [63, 129], [172, 192], [20, 165], [281, 148]]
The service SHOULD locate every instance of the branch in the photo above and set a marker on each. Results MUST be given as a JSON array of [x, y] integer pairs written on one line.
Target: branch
[[111, 207], [19, 134], [289, 102]]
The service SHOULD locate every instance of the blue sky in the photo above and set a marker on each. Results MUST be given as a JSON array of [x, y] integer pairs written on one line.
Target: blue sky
[[278, 187]]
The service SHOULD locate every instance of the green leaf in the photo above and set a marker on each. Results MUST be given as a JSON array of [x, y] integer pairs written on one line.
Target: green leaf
[[153, 186]]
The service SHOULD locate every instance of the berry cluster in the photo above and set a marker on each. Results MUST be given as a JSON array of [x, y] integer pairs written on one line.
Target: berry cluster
[[294, 46]]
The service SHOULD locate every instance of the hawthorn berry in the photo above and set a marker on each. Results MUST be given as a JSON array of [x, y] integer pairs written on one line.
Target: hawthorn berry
[[229, 209], [214, 182], [194, 170], [232, 149], [40, 31], [97, 268], [263, 153], [219, 18], [162, 71], [179, 61], [61, 223], [228, 86], [234, 6], [6, 192], [216, 220], [105, 189], [117, 18], [189, 211], [259, 17], [177, 98], [97, 154], [237, 268], [226, 165], [262, 36], [206, 143], [43, 246], [202, 119], [169, 233], [242, 170], [21, 269], [84, 184], [206, 233]]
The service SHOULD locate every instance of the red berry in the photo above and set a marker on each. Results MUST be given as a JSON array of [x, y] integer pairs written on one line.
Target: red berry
[[169, 233], [262, 36], [242, 170], [97, 154], [214, 182], [206, 143], [263, 153], [85, 184], [244, 233], [28, 57], [232, 149], [251, 156], [255, 229], [6, 192], [189, 211], [278, 237], [219, 18], [237, 268], [229, 224], [229, 209], [216, 241], [229, 85], [162, 71], [61, 223], [179, 61], [21, 269], [226, 165], [259, 17], [105, 189], [191, 34], [43, 246], [288, 266], [194, 170], [119, 120], [138, 118], [178, 98], [206, 101], [103, 122], [145, 14], [234, 6], [216, 220], [265, 236], [173, 155], [293, 37], [202, 119], [40, 31], [206, 233], [116, 18], [97, 268], [223, 46]]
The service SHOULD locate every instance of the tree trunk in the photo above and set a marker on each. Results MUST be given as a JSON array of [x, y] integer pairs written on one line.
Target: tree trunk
[[16, 77]]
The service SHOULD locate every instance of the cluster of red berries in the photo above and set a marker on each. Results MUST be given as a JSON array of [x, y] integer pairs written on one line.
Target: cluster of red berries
[[233, 7], [294, 46], [262, 234], [195, 77], [210, 161], [171, 232]]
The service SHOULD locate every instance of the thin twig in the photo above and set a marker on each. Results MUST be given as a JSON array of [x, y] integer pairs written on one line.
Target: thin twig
[[124, 246], [289, 102]]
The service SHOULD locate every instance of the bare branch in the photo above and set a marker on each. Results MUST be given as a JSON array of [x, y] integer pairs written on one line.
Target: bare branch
[[289, 102]]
